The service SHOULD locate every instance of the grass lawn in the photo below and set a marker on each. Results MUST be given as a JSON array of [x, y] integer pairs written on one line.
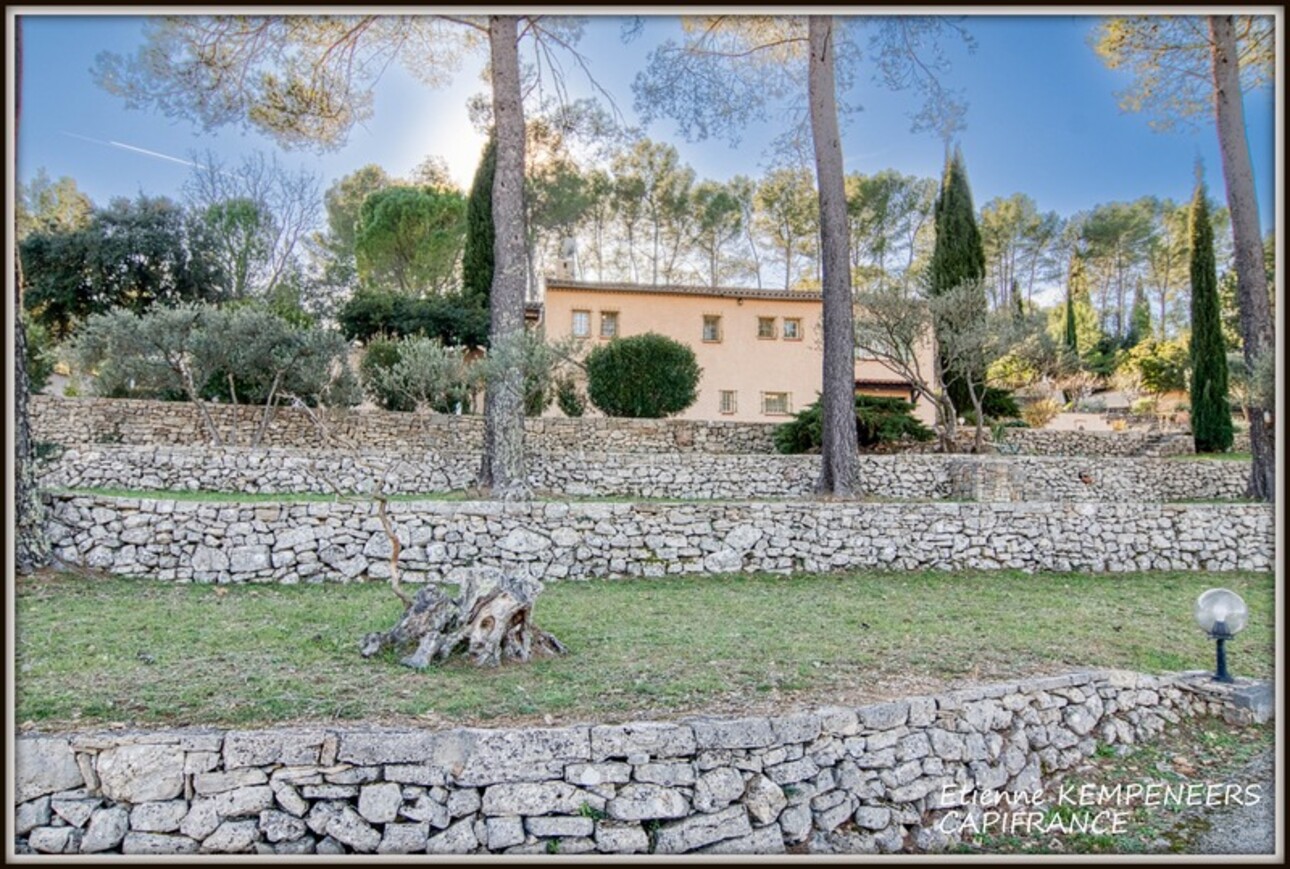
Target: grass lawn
[[94, 651], [1205, 457]]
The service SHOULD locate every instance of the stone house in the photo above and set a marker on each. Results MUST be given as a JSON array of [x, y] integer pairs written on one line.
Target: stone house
[[761, 350]]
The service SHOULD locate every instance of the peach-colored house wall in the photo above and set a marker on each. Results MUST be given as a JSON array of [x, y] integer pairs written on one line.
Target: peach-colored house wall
[[740, 361]]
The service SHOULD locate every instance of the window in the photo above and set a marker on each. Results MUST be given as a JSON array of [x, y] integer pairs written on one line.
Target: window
[[765, 327], [581, 324], [728, 403], [774, 403], [608, 324], [792, 329], [711, 327]]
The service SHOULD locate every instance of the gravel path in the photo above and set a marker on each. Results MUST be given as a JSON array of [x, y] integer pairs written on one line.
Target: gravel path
[[1248, 829]]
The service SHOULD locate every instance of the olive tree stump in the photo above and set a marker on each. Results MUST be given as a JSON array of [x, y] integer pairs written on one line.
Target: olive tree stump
[[490, 622]]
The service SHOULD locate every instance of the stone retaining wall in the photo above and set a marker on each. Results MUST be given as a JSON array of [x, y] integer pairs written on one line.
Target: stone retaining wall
[[681, 475], [894, 776], [73, 421], [101, 420], [1046, 442], [342, 541]]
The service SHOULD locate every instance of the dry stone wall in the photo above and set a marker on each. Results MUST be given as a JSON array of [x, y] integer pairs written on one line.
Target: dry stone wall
[[632, 475], [901, 775], [157, 423], [342, 541], [101, 420]]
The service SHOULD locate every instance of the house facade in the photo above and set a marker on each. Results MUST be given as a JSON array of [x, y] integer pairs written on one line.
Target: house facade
[[761, 351]]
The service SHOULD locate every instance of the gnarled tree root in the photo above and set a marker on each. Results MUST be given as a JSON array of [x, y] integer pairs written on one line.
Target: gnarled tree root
[[491, 622]]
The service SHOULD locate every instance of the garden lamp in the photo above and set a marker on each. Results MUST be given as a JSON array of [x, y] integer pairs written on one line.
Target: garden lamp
[[1221, 614]]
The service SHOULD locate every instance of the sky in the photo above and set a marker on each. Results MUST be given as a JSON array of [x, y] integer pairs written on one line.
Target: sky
[[1042, 119]]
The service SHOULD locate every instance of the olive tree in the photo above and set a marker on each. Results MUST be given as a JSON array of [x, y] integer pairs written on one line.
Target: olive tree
[[306, 80]]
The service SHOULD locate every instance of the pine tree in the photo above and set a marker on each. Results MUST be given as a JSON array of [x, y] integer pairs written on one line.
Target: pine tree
[[1211, 416], [477, 258], [958, 256]]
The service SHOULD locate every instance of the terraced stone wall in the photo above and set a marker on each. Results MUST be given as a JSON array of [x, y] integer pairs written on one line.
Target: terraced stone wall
[[195, 541], [75, 421], [681, 476], [901, 775]]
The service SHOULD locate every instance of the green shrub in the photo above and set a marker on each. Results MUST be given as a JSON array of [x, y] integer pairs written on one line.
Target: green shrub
[[645, 376], [999, 404], [41, 356], [453, 319], [380, 356], [571, 401], [1038, 414], [879, 420]]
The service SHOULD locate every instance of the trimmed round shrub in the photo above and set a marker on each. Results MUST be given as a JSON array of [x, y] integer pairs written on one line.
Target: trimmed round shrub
[[879, 420], [645, 376]]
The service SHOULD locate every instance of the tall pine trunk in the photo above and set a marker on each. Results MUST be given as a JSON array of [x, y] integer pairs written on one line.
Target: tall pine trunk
[[1251, 279], [839, 464], [502, 470], [31, 548]]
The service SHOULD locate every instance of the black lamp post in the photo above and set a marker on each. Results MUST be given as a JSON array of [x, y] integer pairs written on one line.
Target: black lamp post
[[1222, 615]]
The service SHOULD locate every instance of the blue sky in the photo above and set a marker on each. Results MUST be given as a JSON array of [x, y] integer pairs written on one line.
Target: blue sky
[[1042, 120]]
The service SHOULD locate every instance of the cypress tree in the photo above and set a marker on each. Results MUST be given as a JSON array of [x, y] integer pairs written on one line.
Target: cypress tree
[[1211, 416], [1139, 319], [477, 258], [1074, 275], [958, 256]]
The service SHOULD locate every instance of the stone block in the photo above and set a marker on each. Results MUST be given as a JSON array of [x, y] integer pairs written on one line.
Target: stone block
[[764, 800], [504, 833], [641, 802], [157, 844], [460, 838], [594, 774], [243, 801], [379, 803], [666, 774], [54, 840], [349, 828], [717, 789], [883, 716], [75, 812], [873, 817], [538, 798], [767, 840], [617, 838], [44, 765], [219, 782], [106, 830], [141, 773], [650, 738], [232, 837], [534, 755], [30, 815], [281, 827], [403, 839], [560, 826], [732, 733], [702, 830]]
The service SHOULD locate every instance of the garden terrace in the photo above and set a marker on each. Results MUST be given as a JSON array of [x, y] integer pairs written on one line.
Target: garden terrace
[[197, 540], [635, 475], [101, 420]]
